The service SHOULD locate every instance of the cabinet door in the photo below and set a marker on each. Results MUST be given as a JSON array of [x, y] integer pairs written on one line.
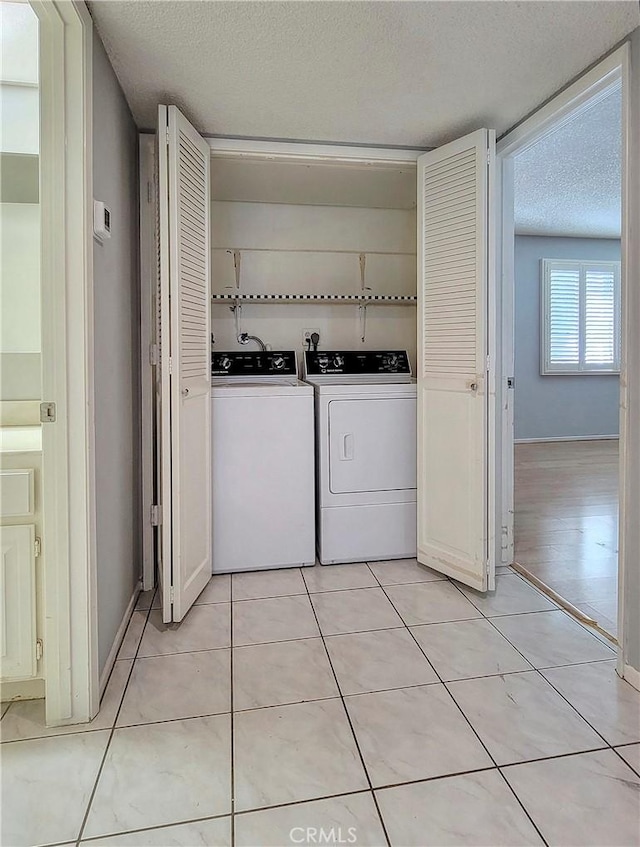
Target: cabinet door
[[18, 602]]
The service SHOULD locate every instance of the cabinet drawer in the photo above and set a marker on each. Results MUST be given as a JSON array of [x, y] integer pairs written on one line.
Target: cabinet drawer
[[17, 498]]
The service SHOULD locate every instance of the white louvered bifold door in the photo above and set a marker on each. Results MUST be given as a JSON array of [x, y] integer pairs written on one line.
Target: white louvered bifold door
[[454, 278], [162, 372], [184, 226]]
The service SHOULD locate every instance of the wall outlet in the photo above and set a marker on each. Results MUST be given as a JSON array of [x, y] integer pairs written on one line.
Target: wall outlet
[[306, 337]]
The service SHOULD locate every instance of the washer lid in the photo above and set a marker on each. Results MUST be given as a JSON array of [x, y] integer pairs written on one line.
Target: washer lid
[[232, 388], [328, 380]]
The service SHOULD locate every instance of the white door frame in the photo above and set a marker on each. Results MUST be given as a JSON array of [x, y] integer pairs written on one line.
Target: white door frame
[[581, 94], [66, 203], [148, 349]]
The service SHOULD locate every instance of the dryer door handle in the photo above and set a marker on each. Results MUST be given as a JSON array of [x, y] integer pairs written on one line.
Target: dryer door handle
[[347, 451]]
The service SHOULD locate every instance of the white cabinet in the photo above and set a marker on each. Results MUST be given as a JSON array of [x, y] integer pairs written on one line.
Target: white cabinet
[[18, 658], [20, 568]]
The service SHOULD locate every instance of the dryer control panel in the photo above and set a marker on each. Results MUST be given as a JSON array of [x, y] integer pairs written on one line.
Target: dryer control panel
[[255, 363], [360, 363]]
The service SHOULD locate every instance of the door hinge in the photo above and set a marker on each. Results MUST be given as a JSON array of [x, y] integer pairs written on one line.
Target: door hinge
[[488, 364], [149, 192], [171, 594], [153, 354], [47, 412], [155, 515], [511, 382], [170, 365], [39, 649], [37, 548], [166, 137]]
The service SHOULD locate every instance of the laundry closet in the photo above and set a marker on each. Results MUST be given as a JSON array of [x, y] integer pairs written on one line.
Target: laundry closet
[[306, 230], [276, 243]]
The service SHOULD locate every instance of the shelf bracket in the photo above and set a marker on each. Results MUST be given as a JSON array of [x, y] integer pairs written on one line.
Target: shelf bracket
[[236, 310], [363, 264], [362, 313], [237, 256], [236, 267]]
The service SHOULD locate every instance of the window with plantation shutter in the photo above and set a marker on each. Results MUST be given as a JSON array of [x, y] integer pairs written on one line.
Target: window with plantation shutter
[[580, 317]]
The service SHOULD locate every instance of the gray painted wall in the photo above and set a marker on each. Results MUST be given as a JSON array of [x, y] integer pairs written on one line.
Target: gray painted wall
[[556, 406], [116, 298]]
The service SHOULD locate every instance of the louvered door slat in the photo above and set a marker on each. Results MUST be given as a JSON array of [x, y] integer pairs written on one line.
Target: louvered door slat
[[194, 239]]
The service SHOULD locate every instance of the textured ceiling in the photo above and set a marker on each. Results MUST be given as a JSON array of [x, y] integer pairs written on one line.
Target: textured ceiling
[[569, 183], [399, 73]]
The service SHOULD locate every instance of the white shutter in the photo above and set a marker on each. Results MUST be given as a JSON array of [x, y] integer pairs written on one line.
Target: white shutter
[[600, 301], [184, 226], [563, 298], [581, 316], [455, 228]]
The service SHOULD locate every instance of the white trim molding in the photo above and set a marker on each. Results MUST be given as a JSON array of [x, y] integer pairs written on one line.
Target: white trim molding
[[631, 675], [620, 68], [117, 641], [581, 94], [148, 289], [629, 545], [303, 151], [70, 638], [551, 438]]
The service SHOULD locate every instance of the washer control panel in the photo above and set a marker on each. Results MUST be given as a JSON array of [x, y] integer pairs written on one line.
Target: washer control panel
[[255, 363], [352, 363]]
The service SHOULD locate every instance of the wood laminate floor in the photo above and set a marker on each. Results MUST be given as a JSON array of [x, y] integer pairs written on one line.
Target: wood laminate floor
[[566, 521]]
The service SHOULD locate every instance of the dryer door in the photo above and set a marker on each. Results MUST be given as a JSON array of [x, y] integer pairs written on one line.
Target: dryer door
[[372, 445]]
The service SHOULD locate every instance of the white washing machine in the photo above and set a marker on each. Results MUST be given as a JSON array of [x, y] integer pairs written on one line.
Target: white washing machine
[[263, 462], [365, 454]]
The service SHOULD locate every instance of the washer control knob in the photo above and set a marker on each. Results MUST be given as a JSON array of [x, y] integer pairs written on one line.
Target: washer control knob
[[225, 363], [392, 361], [338, 360], [323, 362], [278, 363]]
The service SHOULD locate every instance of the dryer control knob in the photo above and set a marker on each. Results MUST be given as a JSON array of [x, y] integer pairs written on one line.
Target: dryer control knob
[[278, 363], [338, 361], [225, 363]]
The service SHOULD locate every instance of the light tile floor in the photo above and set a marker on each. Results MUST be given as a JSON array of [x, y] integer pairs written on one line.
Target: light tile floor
[[377, 705]]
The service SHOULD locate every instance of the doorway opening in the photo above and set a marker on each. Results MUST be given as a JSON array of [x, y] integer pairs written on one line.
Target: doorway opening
[[21, 516], [46, 395], [564, 191]]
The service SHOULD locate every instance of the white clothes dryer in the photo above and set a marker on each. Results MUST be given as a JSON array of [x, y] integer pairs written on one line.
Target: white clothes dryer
[[365, 408], [263, 462]]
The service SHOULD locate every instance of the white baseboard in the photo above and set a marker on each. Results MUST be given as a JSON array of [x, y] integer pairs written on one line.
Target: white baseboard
[[632, 676], [566, 438], [113, 653], [22, 689]]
